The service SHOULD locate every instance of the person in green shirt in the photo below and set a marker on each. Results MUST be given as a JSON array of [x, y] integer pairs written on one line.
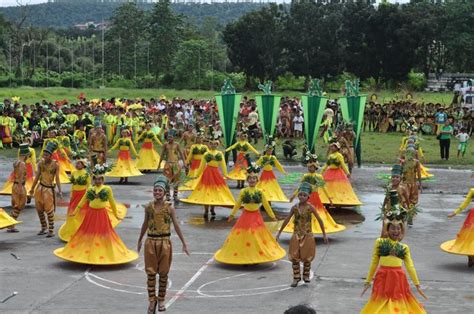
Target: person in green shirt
[[446, 131]]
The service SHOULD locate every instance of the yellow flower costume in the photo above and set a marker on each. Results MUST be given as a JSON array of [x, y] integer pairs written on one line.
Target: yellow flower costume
[[338, 186], [268, 182], [6, 220], [194, 159], [391, 292], [464, 242], [330, 226], [250, 241], [30, 174], [240, 167], [149, 158], [125, 165], [211, 188], [80, 180], [96, 241]]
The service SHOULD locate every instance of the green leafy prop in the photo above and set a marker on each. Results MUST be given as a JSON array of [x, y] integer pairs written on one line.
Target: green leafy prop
[[313, 108], [268, 106], [228, 104]]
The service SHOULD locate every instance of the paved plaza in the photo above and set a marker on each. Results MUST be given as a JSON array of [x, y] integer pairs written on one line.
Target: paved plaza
[[198, 284]]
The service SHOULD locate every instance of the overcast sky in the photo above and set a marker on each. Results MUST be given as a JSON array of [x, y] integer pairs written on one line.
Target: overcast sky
[[7, 3]]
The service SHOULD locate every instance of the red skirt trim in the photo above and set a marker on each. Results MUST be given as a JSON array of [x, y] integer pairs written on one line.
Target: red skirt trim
[[124, 155], [76, 197], [336, 174], [469, 222], [212, 177], [96, 222], [315, 200], [267, 175], [391, 283], [241, 162], [249, 220], [195, 164], [147, 145]]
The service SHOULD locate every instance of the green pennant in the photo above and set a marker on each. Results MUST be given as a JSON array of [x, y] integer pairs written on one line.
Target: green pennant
[[313, 109], [268, 106], [353, 106], [228, 104]]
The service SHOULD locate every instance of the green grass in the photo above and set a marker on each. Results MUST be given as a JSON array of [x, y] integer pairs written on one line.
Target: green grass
[[31, 95], [377, 148]]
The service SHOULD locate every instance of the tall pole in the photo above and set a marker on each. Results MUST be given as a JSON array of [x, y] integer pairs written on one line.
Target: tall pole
[[135, 62], [120, 55], [59, 58], [148, 58], [47, 65], [103, 65], [34, 61], [93, 62], [72, 64], [10, 56]]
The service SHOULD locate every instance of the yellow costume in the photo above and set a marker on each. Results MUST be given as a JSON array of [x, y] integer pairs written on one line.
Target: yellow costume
[[268, 182], [96, 242], [250, 241], [338, 186], [80, 180], [194, 159], [330, 226], [464, 242], [149, 158], [125, 165], [240, 167], [211, 188], [6, 220], [391, 292]]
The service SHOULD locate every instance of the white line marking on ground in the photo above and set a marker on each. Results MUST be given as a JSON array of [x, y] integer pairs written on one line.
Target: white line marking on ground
[[189, 283]]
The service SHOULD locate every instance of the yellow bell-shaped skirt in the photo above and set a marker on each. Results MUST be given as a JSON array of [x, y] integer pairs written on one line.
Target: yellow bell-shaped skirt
[[270, 187], [6, 220], [124, 167], [464, 242]]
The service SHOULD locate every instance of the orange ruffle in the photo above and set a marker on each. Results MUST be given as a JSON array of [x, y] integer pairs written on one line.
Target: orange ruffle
[[147, 145], [464, 242]]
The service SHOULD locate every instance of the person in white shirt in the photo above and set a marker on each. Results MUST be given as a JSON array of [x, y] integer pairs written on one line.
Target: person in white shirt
[[298, 124], [463, 137]]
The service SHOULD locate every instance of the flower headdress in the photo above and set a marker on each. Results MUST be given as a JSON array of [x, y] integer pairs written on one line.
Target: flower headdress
[[271, 142], [100, 169], [252, 170], [310, 159]]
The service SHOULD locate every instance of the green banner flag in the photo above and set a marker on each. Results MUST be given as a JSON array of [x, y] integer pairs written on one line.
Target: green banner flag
[[268, 106], [353, 106], [313, 107], [228, 105]]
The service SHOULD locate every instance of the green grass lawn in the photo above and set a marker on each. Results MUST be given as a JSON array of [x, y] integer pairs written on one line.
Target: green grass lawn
[[377, 148], [32, 95]]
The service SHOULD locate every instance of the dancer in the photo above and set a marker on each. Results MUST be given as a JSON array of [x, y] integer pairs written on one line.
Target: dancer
[[172, 154], [96, 241], [411, 180], [336, 174], [318, 184], [30, 164], [464, 242], [48, 178], [19, 195], [194, 160], [125, 166], [250, 241], [188, 138], [302, 244], [211, 189], [56, 155], [242, 146], [268, 182], [158, 249], [391, 292], [97, 143], [148, 157]]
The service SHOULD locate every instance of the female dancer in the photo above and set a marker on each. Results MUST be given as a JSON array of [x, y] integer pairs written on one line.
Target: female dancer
[[96, 242], [125, 166], [464, 242], [211, 189], [318, 184], [250, 241], [391, 292], [335, 173], [242, 146], [268, 182], [148, 157], [194, 159]]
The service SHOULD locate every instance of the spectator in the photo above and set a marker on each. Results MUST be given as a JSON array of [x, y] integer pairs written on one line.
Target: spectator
[[463, 137], [440, 118], [298, 124], [446, 131]]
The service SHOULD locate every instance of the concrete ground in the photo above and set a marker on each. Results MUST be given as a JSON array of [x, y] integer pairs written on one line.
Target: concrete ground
[[45, 284]]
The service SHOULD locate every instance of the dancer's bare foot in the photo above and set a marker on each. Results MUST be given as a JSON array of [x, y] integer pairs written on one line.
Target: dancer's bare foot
[[152, 307], [42, 232]]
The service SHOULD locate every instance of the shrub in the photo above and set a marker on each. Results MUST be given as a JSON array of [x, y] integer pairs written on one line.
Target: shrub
[[416, 81]]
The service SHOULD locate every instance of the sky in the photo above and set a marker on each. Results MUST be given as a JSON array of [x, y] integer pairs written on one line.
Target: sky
[[7, 3]]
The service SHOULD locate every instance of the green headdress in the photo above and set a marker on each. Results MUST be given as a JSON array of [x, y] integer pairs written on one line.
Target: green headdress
[[305, 187], [24, 149], [51, 147], [162, 182], [396, 170]]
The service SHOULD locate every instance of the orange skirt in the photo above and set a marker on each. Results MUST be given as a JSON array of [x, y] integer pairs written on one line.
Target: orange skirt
[[391, 293], [96, 242], [249, 242], [192, 183], [339, 188], [270, 187], [464, 242], [211, 190], [240, 168]]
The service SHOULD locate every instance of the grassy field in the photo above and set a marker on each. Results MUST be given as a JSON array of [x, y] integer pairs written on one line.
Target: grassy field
[[377, 148], [32, 95]]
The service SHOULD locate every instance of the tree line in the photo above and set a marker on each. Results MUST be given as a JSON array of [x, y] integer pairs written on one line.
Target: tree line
[[385, 46]]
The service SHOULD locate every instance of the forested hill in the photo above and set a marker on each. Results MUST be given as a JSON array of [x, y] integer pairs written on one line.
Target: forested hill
[[64, 15]]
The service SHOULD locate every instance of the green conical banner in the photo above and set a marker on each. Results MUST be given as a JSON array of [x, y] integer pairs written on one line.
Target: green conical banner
[[268, 107], [352, 108], [228, 106], [313, 109]]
